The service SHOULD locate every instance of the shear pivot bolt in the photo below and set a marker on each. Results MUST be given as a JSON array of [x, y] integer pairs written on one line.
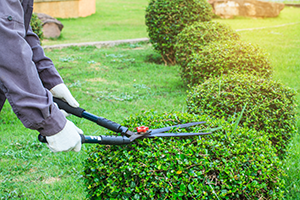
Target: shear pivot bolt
[[142, 129]]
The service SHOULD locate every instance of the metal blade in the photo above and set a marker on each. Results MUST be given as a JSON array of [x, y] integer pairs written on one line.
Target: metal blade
[[174, 134], [129, 133], [160, 130]]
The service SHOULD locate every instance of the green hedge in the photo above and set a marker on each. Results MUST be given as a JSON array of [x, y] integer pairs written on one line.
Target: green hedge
[[269, 105], [225, 57], [194, 37], [232, 163], [165, 19]]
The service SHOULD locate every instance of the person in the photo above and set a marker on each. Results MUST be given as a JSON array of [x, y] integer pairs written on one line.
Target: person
[[29, 80]]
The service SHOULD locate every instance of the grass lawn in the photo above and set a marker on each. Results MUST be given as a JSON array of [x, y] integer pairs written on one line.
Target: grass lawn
[[121, 81], [116, 20], [113, 20]]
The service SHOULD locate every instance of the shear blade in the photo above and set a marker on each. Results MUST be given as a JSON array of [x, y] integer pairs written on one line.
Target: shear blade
[[151, 135], [160, 130]]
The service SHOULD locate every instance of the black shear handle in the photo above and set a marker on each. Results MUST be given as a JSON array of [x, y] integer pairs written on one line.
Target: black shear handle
[[80, 112], [101, 139]]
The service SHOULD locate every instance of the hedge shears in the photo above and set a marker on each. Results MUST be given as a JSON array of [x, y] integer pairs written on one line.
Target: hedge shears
[[127, 135]]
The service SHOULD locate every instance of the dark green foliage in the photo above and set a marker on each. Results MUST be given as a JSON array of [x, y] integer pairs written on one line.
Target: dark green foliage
[[165, 19], [229, 164], [270, 106], [36, 26], [194, 37], [226, 57]]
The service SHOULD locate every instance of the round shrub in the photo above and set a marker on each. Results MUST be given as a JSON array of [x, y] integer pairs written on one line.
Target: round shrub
[[225, 57], [229, 164], [269, 105], [37, 27], [165, 19], [192, 38]]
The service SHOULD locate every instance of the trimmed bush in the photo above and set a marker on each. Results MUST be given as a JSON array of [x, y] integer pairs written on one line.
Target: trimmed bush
[[232, 163], [221, 58], [192, 38], [165, 19], [269, 105]]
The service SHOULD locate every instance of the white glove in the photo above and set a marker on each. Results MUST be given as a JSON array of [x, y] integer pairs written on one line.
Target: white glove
[[68, 139], [62, 92]]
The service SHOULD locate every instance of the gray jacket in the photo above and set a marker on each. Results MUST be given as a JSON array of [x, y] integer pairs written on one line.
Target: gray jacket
[[26, 74]]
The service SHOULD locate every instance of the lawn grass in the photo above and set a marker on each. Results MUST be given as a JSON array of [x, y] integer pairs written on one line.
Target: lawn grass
[[118, 82], [113, 20], [117, 20], [287, 16]]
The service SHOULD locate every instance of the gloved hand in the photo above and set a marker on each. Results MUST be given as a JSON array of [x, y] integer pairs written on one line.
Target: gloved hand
[[62, 92], [68, 139]]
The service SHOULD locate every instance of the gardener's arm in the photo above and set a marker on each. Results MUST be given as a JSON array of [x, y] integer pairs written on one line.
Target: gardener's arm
[[47, 72], [19, 79], [21, 84]]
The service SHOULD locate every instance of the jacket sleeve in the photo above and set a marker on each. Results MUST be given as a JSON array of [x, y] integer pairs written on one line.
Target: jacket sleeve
[[19, 78], [47, 72]]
